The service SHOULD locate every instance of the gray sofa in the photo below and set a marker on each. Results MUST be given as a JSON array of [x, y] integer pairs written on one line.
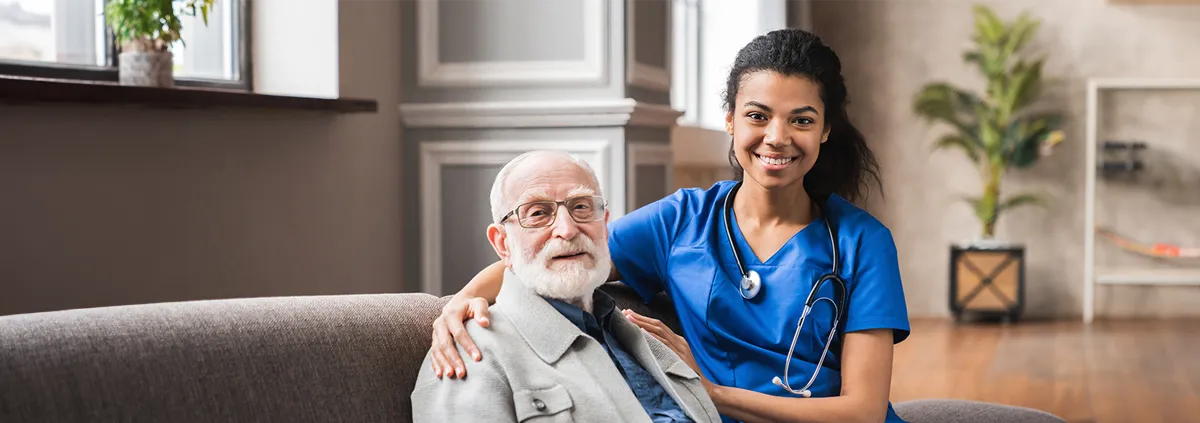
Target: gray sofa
[[350, 358]]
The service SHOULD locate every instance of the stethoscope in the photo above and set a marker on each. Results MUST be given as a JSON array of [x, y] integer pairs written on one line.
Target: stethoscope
[[751, 284]]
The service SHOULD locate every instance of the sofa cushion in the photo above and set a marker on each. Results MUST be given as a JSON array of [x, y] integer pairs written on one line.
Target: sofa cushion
[[347, 358], [966, 411]]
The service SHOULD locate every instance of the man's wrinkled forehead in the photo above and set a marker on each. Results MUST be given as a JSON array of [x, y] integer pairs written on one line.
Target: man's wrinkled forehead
[[533, 180], [544, 194]]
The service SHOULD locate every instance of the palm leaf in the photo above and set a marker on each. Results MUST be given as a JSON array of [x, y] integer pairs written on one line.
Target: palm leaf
[[960, 142], [1019, 34], [941, 102], [1026, 85], [988, 26], [983, 209], [1029, 136], [1019, 200]]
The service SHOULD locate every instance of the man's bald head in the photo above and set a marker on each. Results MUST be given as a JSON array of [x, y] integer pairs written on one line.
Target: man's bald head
[[506, 190]]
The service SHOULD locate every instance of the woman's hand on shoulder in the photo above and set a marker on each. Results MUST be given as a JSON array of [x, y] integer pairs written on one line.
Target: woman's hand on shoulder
[[664, 334], [449, 329]]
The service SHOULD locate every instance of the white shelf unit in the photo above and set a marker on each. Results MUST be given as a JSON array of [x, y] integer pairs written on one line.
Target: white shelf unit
[[1119, 276]]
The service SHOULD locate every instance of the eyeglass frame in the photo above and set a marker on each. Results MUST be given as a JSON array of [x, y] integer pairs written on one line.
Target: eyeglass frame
[[602, 201]]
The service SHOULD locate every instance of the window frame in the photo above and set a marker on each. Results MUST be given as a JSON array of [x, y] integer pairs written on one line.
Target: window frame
[[241, 18]]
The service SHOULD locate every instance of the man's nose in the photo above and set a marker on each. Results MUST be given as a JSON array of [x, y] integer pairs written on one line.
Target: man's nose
[[564, 225]]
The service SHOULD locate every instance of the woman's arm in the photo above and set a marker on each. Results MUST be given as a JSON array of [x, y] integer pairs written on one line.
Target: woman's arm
[[471, 302], [866, 384]]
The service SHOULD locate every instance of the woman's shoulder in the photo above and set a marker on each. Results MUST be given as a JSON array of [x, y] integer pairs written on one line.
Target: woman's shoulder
[[704, 195], [855, 222], [694, 201]]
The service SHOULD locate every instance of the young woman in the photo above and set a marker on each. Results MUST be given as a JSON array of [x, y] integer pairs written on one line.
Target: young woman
[[740, 259]]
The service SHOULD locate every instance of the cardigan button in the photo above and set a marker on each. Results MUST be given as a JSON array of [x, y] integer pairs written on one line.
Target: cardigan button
[[541, 406]]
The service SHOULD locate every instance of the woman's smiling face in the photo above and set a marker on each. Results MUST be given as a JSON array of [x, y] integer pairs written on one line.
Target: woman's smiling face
[[778, 126]]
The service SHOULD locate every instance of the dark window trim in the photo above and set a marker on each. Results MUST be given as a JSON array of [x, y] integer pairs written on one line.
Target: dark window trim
[[243, 53]]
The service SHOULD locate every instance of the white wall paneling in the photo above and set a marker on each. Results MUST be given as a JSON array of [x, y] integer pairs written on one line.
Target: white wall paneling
[[436, 154], [431, 72], [540, 114]]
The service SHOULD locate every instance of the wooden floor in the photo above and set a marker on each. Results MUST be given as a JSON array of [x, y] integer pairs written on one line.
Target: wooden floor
[[1112, 371]]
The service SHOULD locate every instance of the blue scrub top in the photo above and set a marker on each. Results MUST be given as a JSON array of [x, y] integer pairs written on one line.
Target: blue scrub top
[[678, 245]]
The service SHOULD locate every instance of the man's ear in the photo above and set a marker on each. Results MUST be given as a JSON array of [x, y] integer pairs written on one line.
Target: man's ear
[[498, 237]]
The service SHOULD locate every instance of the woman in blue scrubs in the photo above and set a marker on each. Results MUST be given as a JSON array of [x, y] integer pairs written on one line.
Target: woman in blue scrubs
[[796, 151]]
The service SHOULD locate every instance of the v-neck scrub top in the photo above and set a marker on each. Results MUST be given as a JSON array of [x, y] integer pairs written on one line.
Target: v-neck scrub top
[[678, 245]]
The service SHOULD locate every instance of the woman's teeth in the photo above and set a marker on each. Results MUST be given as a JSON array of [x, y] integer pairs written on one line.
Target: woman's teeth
[[775, 161]]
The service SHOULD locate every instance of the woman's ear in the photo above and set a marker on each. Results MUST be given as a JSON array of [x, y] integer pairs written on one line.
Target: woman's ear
[[825, 135], [499, 240], [729, 123]]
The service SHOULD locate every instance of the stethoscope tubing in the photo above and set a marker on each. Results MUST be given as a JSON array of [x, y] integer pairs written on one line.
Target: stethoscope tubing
[[751, 284]]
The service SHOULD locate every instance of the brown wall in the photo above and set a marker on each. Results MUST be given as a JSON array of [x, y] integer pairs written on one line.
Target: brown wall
[[102, 206], [890, 48]]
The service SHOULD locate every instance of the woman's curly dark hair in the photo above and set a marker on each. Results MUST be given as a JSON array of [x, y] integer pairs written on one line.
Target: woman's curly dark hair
[[844, 163]]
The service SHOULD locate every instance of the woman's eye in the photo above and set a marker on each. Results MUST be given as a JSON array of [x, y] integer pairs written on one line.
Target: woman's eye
[[756, 116], [803, 121]]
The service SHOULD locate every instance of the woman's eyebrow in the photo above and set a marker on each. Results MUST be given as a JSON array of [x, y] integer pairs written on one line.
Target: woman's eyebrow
[[795, 111]]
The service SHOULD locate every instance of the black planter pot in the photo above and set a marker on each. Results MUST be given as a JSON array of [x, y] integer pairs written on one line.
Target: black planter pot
[[987, 280]]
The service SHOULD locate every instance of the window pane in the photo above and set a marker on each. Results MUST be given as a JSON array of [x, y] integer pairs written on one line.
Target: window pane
[[59, 31], [208, 51]]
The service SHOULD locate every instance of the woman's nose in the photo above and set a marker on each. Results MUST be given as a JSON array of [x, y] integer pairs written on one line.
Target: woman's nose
[[776, 134]]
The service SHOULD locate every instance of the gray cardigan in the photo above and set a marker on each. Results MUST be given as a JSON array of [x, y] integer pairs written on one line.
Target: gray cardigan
[[537, 365]]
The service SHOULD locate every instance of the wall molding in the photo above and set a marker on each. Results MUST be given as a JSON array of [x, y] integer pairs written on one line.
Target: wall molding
[[436, 154], [646, 153], [543, 114], [592, 70], [639, 74]]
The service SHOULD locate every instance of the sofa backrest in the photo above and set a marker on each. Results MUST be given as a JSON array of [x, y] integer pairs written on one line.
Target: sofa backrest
[[348, 358]]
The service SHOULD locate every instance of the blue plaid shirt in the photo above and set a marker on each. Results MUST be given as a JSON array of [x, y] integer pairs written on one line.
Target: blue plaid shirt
[[657, 402]]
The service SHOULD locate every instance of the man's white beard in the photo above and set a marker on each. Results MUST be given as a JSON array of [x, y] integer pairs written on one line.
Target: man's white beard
[[569, 281]]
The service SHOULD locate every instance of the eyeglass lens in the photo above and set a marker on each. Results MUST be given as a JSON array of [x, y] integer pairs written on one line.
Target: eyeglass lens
[[542, 213]]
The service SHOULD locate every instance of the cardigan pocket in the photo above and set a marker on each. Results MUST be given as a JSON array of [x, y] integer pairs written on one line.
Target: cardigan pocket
[[543, 405]]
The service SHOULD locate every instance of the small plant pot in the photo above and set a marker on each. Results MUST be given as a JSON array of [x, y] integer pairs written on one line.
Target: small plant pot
[[147, 69], [987, 280]]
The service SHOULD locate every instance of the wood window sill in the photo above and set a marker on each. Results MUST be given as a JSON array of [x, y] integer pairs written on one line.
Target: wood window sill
[[23, 90]]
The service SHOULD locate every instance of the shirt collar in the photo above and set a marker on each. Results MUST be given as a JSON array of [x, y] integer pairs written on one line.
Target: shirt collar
[[602, 308], [540, 324]]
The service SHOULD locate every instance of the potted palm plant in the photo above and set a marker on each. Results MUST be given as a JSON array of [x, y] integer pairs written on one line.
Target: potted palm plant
[[999, 131], [144, 31]]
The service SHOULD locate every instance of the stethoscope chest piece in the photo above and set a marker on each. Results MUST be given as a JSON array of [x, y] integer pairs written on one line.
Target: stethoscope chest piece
[[751, 284]]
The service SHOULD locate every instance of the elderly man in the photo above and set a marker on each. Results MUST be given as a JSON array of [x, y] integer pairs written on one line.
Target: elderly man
[[556, 348]]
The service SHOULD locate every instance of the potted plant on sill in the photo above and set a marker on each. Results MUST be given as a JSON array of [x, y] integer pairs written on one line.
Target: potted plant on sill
[[145, 31], [998, 132]]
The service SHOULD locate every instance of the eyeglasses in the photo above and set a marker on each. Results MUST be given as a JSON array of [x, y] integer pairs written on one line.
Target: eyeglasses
[[540, 214]]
